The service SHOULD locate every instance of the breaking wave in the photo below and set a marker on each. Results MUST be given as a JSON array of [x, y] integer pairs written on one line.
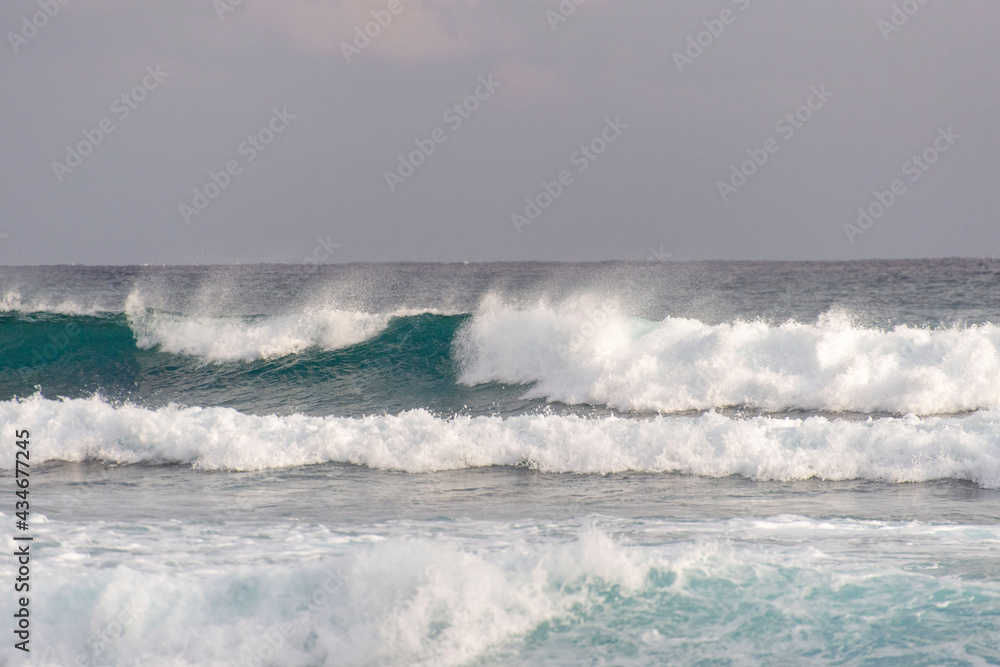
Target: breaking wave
[[908, 449], [583, 351]]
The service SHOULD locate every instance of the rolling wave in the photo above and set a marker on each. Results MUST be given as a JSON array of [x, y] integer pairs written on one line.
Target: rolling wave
[[586, 352], [403, 365], [219, 339], [908, 449], [578, 352]]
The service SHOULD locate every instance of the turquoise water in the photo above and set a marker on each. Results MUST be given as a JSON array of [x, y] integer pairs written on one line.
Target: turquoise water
[[615, 464]]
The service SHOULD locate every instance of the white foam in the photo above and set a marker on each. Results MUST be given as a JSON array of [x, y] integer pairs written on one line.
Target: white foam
[[12, 301], [177, 592], [385, 595], [584, 351], [907, 449], [222, 339]]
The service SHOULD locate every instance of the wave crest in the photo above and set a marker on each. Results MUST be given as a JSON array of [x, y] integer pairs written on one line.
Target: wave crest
[[907, 449], [222, 339], [13, 302], [584, 351]]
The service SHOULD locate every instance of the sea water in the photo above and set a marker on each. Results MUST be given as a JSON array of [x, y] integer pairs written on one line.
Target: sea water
[[507, 464]]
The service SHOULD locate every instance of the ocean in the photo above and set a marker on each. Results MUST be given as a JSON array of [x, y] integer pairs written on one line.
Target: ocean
[[622, 463]]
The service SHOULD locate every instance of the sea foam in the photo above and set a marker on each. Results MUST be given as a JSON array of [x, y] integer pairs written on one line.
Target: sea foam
[[907, 449], [235, 593], [580, 352], [224, 339], [13, 302]]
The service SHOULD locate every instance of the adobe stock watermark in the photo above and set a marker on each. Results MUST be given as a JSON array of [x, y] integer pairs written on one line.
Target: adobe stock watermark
[[988, 274], [713, 30], [249, 149], [455, 116], [915, 168], [45, 355], [259, 651], [363, 36], [635, 280], [223, 7], [98, 650], [128, 614], [581, 158], [640, 279], [321, 252], [786, 126], [899, 17], [122, 106], [562, 12], [30, 25]]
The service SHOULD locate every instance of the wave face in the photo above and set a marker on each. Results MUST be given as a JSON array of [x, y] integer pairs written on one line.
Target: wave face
[[509, 340], [501, 359], [325, 362], [585, 352], [908, 449]]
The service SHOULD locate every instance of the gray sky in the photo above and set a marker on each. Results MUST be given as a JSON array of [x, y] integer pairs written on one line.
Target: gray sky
[[881, 93]]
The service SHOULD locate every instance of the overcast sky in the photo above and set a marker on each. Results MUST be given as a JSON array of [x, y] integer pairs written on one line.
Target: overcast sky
[[116, 114]]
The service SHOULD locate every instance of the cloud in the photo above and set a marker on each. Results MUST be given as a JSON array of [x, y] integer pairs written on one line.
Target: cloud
[[527, 85], [424, 30]]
